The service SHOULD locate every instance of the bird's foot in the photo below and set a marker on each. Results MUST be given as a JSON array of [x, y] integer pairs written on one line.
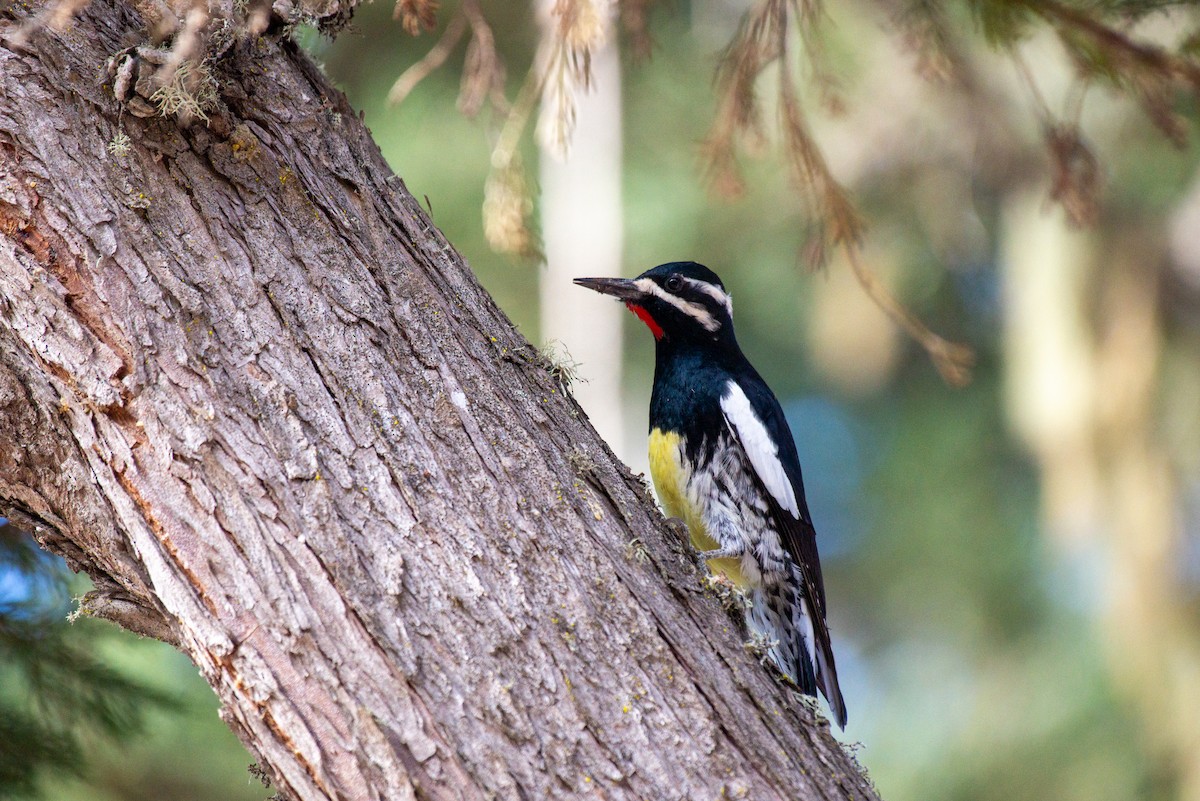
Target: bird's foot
[[722, 553]]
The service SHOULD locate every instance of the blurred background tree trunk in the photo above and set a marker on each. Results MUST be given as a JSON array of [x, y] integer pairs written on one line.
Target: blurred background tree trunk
[[1085, 371], [583, 230], [250, 389]]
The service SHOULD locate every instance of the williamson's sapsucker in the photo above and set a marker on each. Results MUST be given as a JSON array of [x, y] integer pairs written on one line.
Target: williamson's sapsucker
[[723, 459]]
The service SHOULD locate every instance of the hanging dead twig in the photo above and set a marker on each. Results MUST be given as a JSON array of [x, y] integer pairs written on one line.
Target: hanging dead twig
[[484, 72], [428, 64], [952, 360], [763, 39]]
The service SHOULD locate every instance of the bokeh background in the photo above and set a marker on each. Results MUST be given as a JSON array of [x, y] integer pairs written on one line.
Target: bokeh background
[[1013, 567]]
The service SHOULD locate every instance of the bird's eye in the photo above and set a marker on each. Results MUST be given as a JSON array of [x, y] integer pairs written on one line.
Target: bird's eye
[[674, 283]]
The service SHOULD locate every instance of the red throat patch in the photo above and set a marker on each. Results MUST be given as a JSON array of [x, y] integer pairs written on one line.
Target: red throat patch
[[645, 317]]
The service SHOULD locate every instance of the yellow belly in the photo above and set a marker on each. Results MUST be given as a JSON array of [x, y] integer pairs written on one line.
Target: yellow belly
[[670, 482]]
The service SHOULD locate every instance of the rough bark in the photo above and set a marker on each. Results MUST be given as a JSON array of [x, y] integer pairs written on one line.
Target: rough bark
[[250, 389]]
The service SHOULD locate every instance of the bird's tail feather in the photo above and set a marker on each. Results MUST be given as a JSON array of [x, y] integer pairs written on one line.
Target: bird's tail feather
[[827, 678], [783, 620], [773, 617]]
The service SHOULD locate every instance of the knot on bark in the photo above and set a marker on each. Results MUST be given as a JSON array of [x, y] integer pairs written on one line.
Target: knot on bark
[[129, 613]]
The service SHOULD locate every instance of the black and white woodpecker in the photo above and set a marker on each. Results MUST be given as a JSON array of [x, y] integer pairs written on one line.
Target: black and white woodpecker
[[723, 460]]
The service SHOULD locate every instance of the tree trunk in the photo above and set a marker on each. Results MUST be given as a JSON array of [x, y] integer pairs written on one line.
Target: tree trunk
[[250, 389]]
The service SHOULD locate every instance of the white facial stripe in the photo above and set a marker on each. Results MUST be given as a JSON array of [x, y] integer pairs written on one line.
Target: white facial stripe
[[693, 310], [713, 291]]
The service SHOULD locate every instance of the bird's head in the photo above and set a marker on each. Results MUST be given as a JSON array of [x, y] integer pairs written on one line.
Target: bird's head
[[679, 301]]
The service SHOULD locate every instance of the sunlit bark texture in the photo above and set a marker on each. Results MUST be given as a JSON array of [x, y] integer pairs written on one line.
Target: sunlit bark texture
[[250, 389]]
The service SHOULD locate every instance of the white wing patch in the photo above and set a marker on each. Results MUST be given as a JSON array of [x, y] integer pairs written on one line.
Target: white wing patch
[[759, 446]]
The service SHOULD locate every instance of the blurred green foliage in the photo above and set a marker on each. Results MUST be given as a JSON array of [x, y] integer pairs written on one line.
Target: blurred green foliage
[[55, 690], [88, 713]]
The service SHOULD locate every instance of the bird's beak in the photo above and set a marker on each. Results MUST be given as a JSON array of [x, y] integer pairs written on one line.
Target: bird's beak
[[622, 288]]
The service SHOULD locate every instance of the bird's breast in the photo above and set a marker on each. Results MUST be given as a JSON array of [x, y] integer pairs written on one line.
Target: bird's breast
[[672, 475]]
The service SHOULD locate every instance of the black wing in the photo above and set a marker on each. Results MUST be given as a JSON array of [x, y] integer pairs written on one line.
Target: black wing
[[755, 419]]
